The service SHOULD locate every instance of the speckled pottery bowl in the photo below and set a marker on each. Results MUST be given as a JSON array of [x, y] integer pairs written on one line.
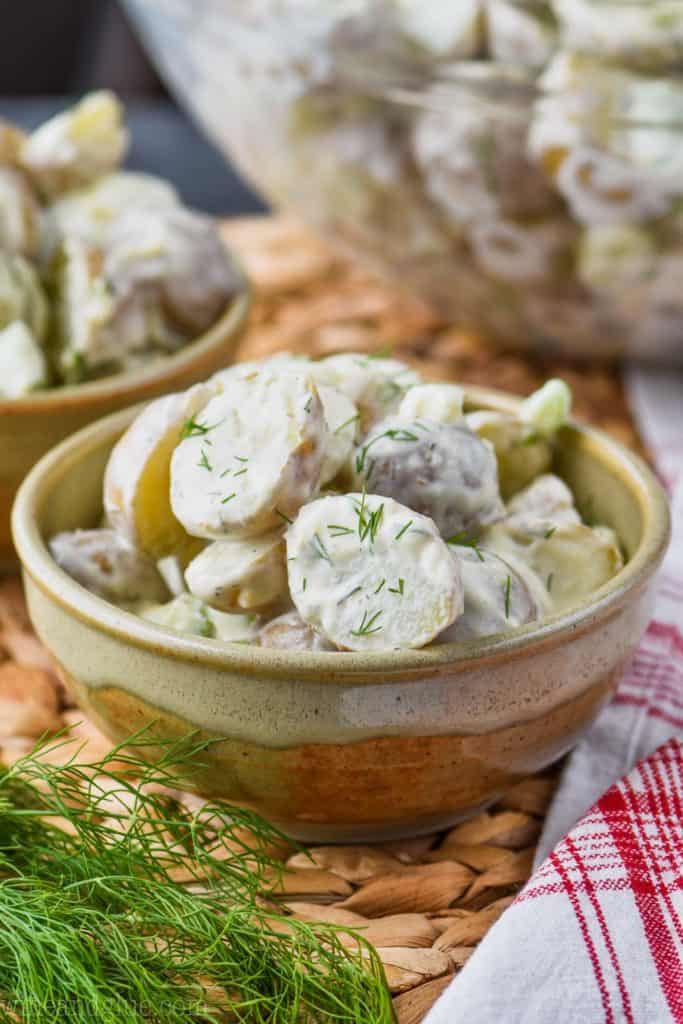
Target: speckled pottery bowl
[[353, 746], [30, 426]]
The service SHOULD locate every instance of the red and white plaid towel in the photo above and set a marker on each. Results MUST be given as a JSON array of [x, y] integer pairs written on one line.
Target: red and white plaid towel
[[596, 935]]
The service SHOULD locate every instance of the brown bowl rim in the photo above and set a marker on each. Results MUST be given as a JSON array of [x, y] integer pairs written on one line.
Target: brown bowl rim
[[371, 667]]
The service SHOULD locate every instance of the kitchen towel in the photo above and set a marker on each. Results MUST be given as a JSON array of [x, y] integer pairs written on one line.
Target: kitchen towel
[[596, 935]]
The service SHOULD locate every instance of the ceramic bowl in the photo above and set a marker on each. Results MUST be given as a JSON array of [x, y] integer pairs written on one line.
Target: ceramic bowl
[[30, 426], [349, 747]]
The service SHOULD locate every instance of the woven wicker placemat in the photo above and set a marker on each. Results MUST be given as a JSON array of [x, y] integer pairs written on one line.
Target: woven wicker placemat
[[426, 902]]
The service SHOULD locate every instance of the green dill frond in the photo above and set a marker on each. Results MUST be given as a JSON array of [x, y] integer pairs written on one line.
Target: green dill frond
[[142, 910]]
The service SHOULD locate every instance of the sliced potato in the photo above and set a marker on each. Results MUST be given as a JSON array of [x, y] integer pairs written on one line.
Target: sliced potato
[[104, 563], [137, 481], [522, 454], [368, 573], [571, 559], [239, 574], [252, 458]]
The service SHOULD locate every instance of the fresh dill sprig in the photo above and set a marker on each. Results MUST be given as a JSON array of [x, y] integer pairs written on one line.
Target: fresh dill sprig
[[229, 497], [320, 549], [381, 584], [508, 582], [463, 540], [194, 428], [404, 529], [339, 531], [367, 625], [141, 909], [241, 471], [346, 423], [398, 589], [549, 532], [369, 524], [204, 461]]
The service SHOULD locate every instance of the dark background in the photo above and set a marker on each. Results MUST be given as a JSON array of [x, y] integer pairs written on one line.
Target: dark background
[[55, 50]]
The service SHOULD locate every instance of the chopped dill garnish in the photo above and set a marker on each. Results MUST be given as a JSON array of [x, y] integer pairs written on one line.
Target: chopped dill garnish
[[367, 625], [204, 461], [370, 524], [226, 472], [400, 588], [549, 582], [346, 423], [463, 540], [241, 471], [307, 407], [240, 458], [304, 583], [404, 529], [508, 582], [395, 434], [379, 587], [339, 531], [320, 549], [283, 516], [224, 501], [193, 428], [350, 594], [549, 532]]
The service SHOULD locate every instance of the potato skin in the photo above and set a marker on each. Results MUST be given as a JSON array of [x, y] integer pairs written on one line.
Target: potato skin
[[441, 470]]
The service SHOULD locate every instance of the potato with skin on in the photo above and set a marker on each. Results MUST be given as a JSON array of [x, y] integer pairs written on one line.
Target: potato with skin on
[[252, 458], [77, 146], [521, 453], [441, 402], [548, 498], [571, 559], [106, 565], [375, 385], [19, 214], [240, 574], [522, 443], [178, 256], [95, 330], [368, 573], [90, 213], [289, 632], [441, 470], [137, 480], [499, 596]]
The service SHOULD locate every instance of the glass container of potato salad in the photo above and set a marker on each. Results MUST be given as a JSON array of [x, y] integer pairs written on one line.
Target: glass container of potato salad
[[515, 162]]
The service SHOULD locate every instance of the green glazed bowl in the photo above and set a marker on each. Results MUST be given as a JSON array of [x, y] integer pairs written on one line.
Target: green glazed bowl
[[30, 426], [349, 746]]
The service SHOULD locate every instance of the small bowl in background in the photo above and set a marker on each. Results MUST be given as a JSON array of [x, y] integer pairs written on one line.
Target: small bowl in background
[[349, 746], [30, 426]]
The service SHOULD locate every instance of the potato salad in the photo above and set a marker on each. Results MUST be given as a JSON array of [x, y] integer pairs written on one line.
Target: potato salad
[[339, 505], [99, 267], [516, 162]]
